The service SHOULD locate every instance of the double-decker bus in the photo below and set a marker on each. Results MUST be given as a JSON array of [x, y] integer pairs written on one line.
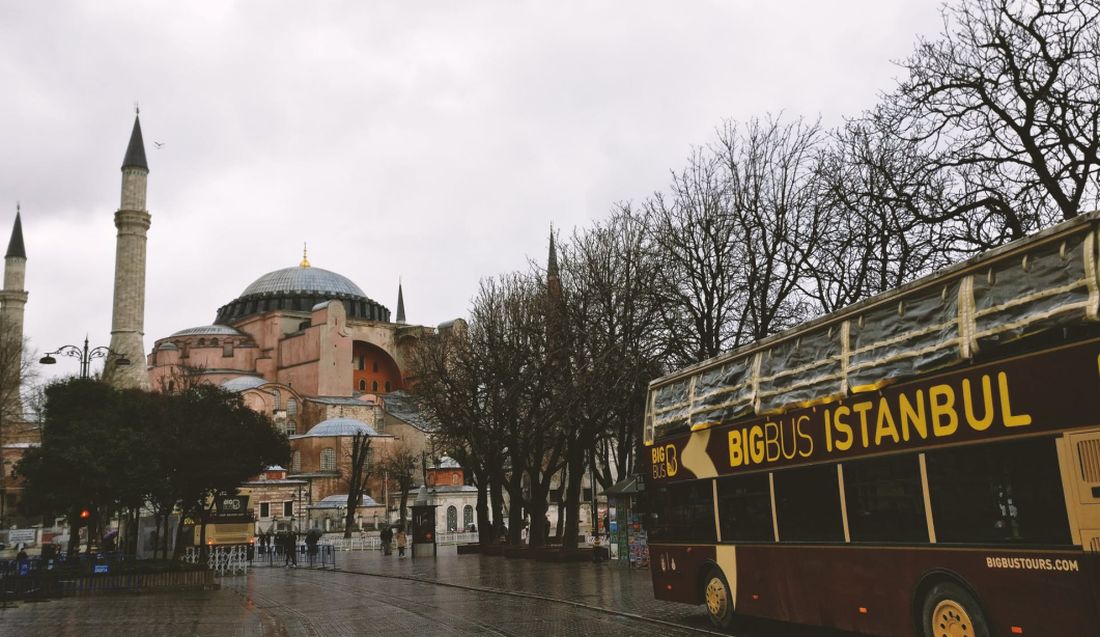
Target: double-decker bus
[[925, 462]]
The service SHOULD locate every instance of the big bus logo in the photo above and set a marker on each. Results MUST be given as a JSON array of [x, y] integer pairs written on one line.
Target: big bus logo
[[665, 464]]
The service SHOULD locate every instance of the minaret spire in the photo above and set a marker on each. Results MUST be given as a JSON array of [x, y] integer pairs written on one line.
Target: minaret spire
[[305, 256], [15, 244], [13, 298], [400, 303], [128, 318]]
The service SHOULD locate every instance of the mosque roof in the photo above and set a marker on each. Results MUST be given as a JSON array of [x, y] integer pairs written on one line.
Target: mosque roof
[[301, 288], [242, 383], [341, 500], [340, 427], [208, 330], [447, 462], [303, 279]]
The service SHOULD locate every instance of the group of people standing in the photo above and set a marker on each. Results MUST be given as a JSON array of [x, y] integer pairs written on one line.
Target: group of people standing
[[388, 536]]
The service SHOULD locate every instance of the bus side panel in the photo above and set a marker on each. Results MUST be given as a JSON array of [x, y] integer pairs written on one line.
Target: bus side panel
[[678, 569], [871, 590], [828, 586]]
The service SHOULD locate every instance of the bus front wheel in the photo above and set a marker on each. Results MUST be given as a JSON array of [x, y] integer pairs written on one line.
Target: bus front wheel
[[718, 597], [950, 611]]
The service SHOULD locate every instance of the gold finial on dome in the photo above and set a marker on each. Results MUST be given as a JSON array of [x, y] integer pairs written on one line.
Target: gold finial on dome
[[305, 256]]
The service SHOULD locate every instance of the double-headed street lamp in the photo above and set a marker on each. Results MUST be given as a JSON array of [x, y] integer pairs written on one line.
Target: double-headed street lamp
[[85, 355]]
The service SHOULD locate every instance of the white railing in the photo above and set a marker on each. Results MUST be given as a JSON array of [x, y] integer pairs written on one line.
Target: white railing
[[456, 538], [373, 543], [223, 560]]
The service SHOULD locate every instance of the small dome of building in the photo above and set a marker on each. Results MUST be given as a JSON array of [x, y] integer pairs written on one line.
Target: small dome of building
[[208, 330], [447, 462], [242, 383], [341, 427], [341, 500], [300, 289]]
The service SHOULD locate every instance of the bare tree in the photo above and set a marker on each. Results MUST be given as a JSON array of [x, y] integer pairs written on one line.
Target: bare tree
[[1005, 106], [777, 218], [17, 373], [399, 466], [694, 240], [358, 474]]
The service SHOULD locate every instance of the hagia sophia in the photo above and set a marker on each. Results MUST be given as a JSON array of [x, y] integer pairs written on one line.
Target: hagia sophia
[[302, 344]]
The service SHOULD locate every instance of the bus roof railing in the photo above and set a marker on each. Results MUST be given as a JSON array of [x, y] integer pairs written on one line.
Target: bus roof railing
[[1045, 281]]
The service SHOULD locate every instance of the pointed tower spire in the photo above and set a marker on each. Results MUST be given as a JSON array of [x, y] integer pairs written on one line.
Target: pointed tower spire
[[135, 151], [400, 303], [13, 298], [128, 317], [305, 256], [552, 258], [15, 244]]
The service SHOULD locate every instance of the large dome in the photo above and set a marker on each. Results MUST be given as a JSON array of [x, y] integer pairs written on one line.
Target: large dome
[[301, 279], [299, 289]]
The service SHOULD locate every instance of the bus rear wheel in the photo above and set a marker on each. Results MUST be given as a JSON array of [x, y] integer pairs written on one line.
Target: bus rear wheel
[[718, 597], [950, 611]]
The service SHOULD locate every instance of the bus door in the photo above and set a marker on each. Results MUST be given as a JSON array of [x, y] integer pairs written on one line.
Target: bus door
[[1080, 458]]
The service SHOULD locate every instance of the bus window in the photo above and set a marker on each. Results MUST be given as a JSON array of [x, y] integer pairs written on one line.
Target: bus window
[[884, 500], [682, 513], [807, 505], [745, 508], [1007, 492]]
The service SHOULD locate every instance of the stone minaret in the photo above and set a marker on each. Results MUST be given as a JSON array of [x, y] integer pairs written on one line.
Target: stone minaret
[[128, 320], [14, 297], [12, 300]]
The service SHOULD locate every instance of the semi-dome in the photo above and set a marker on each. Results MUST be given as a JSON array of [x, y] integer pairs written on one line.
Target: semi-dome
[[341, 427], [300, 289], [208, 330], [242, 383]]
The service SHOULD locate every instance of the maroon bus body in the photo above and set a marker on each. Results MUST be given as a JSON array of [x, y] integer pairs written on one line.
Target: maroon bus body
[[878, 590]]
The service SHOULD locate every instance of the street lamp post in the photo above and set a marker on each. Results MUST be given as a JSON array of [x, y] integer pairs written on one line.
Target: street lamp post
[[85, 355]]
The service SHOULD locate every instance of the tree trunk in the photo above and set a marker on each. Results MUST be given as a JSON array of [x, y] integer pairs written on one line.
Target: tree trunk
[[575, 475], [496, 502], [484, 528], [515, 508]]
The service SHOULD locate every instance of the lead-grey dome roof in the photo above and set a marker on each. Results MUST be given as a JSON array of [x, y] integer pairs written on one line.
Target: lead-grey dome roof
[[208, 330], [303, 279], [341, 427], [301, 289]]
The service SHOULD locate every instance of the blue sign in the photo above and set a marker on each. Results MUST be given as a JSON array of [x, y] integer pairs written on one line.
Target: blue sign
[[24, 568], [100, 568]]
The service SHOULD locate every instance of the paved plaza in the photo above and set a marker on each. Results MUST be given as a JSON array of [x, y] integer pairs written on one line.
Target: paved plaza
[[372, 594]]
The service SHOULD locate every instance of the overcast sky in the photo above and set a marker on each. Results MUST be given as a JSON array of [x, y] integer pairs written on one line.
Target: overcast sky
[[431, 141]]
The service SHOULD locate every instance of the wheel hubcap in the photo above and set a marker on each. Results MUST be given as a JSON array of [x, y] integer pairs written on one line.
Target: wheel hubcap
[[950, 619], [717, 597]]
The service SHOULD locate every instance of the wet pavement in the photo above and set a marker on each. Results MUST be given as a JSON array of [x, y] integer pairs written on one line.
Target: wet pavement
[[372, 594]]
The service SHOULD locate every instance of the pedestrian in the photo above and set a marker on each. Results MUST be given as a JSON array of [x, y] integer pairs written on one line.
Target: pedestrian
[[402, 540], [387, 538], [291, 546]]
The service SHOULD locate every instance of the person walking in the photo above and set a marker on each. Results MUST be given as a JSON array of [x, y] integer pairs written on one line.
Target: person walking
[[387, 538], [290, 545], [402, 541]]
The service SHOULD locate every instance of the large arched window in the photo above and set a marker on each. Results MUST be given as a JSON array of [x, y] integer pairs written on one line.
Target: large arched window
[[452, 518], [291, 407], [291, 427], [467, 516], [328, 459], [278, 398]]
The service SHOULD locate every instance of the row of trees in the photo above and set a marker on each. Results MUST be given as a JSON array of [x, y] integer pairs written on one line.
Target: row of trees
[[992, 133], [110, 452]]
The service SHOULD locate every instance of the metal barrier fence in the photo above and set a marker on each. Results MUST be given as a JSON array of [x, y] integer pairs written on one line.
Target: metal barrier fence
[[223, 560], [322, 556], [373, 543], [40, 578]]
